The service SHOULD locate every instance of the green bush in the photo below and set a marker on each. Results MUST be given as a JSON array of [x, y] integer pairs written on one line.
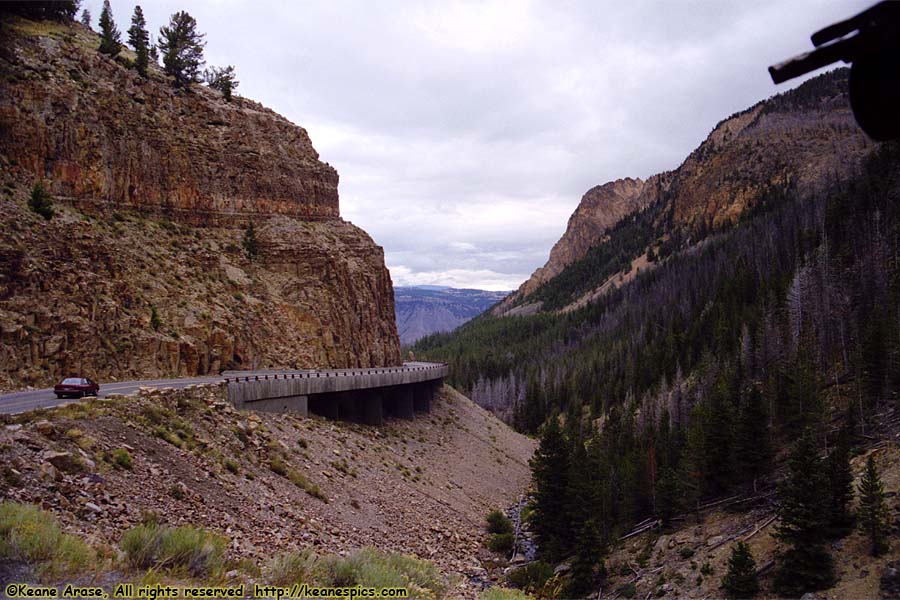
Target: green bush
[[289, 568], [189, 550], [122, 458], [232, 466], [496, 593], [277, 465], [369, 567], [40, 202], [532, 576], [501, 542], [30, 534], [497, 522]]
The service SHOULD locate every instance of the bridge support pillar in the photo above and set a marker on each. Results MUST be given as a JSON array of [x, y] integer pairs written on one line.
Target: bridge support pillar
[[422, 394], [403, 402], [325, 405], [372, 409]]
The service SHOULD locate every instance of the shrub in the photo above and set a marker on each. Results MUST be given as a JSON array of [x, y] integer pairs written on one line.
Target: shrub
[[276, 464], [369, 567], [194, 551], [627, 591], [686, 552], [30, 534], [501, 542], [531, 577], [122, 458], [232, 466], [289, 568], [496, 593], [40, 202], [155, 321], [497, 522]]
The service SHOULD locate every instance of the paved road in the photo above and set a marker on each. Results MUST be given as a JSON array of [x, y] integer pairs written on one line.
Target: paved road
[[19, 402]]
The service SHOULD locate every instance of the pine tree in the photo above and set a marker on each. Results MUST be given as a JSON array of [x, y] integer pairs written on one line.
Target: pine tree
[[803, 513], [222, 79], [872, 510], [110, 38], [840, 479], [753, 449], [587, 565], [182, 48], [139, 39], [740, 579], [250, 244], [550, 469], [86, 18], [40, 202], [667, 496]]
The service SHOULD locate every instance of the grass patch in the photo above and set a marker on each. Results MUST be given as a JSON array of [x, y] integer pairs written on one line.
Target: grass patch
[[231, 466], [531, 577], [496, 593], [33, 535], [369, 567], [289, 568], [121, 458], [181, 550]]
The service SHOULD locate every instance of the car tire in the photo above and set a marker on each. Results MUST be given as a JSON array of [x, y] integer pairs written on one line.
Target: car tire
[[59, 395], [79, 395]]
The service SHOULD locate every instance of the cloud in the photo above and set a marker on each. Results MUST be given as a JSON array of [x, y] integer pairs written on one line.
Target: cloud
[[466, 132]]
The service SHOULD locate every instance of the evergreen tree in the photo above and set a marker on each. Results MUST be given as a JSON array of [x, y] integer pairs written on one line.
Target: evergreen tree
[[740, 579], [753, 448], [222, 79], [667, 496], [803, 513], [139, 39], [250, 243], [154, 52], [40, 202], [840, 479], [182, 48], [550, 468], [110, 38], [56, 10], [872, 510], [587, 565], [86, 18]]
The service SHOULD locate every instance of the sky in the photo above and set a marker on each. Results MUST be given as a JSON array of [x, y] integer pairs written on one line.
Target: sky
[[465, 133]]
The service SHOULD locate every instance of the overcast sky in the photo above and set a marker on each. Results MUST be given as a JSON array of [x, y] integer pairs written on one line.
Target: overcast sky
[[465, 133]]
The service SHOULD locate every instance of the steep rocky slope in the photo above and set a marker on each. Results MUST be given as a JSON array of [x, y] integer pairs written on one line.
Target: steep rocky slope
[[420, 487], [142, 271], [425, 310], [795, 141]]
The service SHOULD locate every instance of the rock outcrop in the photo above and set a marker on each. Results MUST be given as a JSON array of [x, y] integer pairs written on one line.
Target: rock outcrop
[[142, 271]]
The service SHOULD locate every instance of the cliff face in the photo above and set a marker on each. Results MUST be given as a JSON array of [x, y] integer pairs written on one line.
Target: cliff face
[[797, 139], [103, 135], [153, 189]]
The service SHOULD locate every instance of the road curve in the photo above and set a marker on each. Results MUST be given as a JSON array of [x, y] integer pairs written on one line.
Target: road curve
[[28, 400]]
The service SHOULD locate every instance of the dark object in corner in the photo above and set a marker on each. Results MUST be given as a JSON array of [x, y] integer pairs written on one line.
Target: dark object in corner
[[871, 41]]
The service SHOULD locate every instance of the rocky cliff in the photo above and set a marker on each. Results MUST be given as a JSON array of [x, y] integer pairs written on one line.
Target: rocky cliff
[[141, 272], [798, 139]]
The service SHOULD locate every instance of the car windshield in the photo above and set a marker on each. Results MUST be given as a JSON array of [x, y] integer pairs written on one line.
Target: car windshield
[[72, 380]]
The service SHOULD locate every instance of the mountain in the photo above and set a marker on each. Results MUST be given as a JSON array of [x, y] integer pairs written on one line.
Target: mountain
[[426, 309], [142, 271], [719, 344], [677, 363]]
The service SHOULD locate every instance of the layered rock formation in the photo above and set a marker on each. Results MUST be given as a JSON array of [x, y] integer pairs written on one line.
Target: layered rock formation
[[142, 272], [101, 134], [799, 139]]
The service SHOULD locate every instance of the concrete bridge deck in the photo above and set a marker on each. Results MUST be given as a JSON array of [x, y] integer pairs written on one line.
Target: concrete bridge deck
[[364, 395]]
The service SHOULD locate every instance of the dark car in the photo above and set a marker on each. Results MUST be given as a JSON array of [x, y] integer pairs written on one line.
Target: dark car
[[77, 387]]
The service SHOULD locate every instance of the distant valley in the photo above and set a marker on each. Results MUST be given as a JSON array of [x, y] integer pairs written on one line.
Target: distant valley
[[427, 309]]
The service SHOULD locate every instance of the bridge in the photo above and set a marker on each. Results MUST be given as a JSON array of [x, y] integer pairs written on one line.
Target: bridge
[[361, 395]]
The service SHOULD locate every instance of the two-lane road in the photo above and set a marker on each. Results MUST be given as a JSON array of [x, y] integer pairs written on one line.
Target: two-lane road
[[19, 402]]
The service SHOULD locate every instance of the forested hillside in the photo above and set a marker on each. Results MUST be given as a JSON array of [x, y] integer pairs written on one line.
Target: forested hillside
[[690, 381]]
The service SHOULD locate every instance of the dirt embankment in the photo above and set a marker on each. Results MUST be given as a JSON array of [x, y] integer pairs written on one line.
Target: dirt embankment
[[271, 482]]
